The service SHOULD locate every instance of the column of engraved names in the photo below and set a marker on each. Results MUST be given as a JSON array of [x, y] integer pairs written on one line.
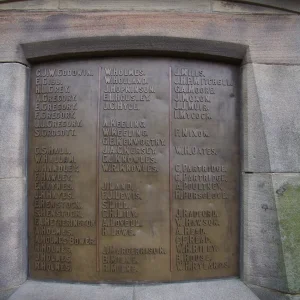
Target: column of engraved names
[[128, 154], [198, 177], [57, 209]]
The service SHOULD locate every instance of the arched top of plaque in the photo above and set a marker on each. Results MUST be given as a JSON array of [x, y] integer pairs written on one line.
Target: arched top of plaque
[[134, 45]]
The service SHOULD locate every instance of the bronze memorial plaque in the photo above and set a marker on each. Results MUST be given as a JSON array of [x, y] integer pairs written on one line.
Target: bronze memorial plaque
[[133, 170]]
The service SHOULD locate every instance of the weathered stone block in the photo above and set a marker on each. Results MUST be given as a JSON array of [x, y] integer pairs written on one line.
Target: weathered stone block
[[32, 290], [232, 289], [13, 233], [262, 255], [13, 115], [271, 118], [267, 294], [4, 294], [30, 5], [287, 195], [255, 149], [232, 7], [271, 227], [288, 5], [137, 5]]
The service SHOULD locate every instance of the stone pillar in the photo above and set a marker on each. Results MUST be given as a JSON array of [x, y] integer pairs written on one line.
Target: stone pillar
[[271, 191], [13, 207]]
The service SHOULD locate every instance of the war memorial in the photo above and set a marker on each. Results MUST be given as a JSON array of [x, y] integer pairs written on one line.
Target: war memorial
[[150, 150]]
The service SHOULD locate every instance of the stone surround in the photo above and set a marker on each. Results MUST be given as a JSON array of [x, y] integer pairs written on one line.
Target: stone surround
[[263, 39]]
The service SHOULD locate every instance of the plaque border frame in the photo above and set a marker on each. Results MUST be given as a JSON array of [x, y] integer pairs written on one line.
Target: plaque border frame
[[232, 54], [141, 46]]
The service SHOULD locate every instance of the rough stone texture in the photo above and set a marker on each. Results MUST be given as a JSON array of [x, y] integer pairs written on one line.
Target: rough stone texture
[[109, 5], [13, 115], [4, 294], [271, 226], [287, 195], [13, 233], [266, 35], [34, 290], [262, 255], [231, 7], [13, 209], [145, 5], [263, 6], [291, 5], [30, 5], [267, 294], [271, 118], [255, 149], [231, 289], [123, 46]]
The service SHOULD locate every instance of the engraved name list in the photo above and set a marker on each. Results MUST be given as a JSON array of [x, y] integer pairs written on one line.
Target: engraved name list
[[133, 170]]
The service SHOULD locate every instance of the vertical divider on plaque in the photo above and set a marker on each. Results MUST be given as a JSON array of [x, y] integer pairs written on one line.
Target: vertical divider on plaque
[[170, 169], [97, 177]]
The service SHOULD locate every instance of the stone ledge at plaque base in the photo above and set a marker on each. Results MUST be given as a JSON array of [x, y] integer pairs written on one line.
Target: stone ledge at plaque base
[[226, 289]]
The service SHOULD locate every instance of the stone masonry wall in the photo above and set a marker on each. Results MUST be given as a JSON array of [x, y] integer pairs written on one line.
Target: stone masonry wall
[[270, 225], [242, 6]]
